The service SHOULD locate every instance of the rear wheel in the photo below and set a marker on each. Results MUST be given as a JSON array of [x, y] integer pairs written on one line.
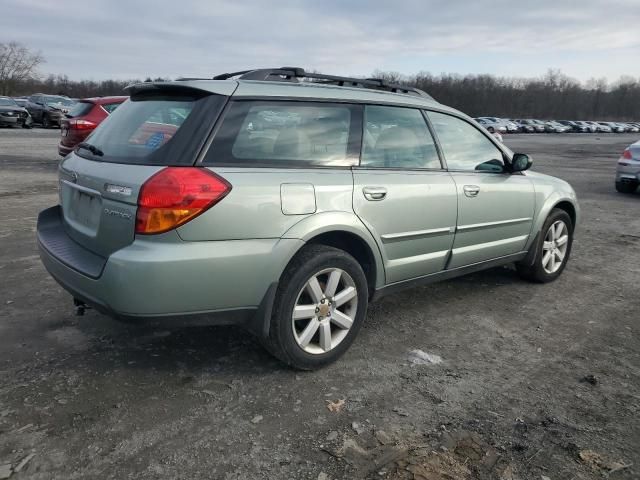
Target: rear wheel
[[319, 308], [626, 187], [553, 251]]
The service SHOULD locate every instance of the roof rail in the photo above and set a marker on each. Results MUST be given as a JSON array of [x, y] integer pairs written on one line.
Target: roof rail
[[295, 74]]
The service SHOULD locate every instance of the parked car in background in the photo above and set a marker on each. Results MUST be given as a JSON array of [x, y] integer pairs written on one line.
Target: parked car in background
[[552, 126], [590, 126], [83, 118], [162, 215], [532, 126], [524, 127], [13, 115], [22, 101], [575, 127], [48, 110], [512, 127], [600, 128], [613, 127], [492, 124], [631, 128], [628, 171]]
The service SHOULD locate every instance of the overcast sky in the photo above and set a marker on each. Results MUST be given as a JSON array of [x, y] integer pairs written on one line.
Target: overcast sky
[[98, 39]]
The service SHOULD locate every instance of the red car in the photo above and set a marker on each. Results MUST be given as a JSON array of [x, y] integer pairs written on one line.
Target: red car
[[83, 118]]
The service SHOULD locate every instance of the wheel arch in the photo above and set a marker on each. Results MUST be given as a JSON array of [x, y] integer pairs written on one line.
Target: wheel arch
[[345, 231]]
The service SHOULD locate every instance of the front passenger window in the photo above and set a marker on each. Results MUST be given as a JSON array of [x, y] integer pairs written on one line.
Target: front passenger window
[[396, 137], [464, 146]]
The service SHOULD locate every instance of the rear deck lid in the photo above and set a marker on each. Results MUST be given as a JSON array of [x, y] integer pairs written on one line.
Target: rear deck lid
[[101, 180]]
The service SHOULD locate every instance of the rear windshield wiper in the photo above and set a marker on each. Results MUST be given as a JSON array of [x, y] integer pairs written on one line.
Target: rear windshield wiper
[[92, 148]]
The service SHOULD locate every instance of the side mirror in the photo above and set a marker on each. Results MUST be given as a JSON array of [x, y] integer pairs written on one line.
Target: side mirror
[[521, 162]]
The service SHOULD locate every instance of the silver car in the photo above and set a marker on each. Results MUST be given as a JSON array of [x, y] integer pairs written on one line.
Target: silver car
[[285, 206], [628, 171]]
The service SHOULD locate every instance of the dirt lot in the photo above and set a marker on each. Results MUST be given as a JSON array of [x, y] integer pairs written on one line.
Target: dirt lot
[[536, 381]]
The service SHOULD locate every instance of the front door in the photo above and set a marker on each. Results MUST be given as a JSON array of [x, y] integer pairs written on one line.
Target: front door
[[402, 193], [495, 208]]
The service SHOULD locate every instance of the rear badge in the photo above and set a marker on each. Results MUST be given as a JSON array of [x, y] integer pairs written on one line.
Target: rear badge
[[117, 213], [119, 189]]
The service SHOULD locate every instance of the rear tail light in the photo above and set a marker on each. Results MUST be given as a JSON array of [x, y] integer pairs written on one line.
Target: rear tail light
[[627, 154], [176, 195], [82, 125]]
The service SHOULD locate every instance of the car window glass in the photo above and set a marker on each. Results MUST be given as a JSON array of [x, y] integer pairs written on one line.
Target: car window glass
[[464, 146], [265, 133], [396, 137], [110, 107]]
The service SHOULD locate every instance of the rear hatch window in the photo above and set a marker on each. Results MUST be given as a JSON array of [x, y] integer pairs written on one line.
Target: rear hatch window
[[156, 128], [79, 109]]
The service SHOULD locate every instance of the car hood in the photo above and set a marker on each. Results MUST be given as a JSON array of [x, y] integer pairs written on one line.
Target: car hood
[[9, 108]]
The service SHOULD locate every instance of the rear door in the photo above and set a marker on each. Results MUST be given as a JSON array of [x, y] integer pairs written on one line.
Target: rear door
[[402, 193], [99, 185], [495, 208]]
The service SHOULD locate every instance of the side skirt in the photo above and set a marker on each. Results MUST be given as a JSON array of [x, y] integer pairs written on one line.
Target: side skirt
[[446, 275]]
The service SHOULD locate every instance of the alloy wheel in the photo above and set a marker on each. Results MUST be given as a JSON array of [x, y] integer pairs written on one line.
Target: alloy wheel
[[554, 247], [324, 311]]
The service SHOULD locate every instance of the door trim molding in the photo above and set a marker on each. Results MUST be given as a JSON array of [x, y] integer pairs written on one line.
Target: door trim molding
[[389, 237], [475, 226]]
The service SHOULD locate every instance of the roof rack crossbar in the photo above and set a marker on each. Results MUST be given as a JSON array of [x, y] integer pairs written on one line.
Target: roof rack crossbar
[[294, 74]]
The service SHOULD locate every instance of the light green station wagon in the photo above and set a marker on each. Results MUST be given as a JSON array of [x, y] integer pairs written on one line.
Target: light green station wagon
[[285, 202]]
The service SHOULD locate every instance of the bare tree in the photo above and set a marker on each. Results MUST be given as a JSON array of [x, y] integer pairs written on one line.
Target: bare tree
[[17, 64]]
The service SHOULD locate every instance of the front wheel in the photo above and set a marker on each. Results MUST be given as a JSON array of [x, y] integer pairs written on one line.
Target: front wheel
[[46, 123], [319, 308], [553, 251]]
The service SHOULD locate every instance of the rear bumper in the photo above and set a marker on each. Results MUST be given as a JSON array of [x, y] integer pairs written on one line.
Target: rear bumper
[[221, 282], [64, 150], [629, 172]]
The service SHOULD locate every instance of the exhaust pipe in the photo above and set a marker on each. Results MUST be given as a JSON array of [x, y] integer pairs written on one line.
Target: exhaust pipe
[[80, 307]]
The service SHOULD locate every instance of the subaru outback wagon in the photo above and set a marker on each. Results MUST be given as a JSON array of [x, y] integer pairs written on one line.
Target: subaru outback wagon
[[285, 202]]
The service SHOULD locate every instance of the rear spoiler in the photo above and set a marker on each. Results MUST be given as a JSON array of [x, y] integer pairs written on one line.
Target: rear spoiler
[[202, 86]]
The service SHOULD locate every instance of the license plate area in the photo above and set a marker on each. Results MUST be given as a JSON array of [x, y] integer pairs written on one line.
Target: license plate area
[[81, 208]]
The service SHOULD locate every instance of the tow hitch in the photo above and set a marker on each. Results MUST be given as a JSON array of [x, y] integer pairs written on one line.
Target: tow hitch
[[80, 307]]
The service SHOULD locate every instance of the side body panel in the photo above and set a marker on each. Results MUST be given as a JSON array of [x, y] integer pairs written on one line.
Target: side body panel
[[495, 215], [413, 224]]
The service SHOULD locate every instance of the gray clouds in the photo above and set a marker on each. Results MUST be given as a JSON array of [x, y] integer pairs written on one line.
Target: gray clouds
[[126, 39]]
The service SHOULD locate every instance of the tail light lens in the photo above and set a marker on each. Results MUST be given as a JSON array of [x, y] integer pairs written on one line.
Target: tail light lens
[[627, 154], [176, 195], [82, 125]]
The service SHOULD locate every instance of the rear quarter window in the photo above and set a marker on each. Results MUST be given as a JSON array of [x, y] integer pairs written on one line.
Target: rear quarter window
[[158, 128], [287, 134]]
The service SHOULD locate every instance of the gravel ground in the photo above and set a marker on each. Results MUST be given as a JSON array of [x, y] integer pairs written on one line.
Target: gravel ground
[[535, 380]]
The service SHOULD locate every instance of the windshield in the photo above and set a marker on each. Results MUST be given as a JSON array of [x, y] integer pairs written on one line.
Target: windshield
[[7, 102], [65, 102], [155, 129]]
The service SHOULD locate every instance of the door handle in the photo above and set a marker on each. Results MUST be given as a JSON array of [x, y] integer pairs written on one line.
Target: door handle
[[471, 190], [374, 194]]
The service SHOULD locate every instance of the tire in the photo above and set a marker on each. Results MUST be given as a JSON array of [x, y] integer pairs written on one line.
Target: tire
[[539, 271], [626, 187], [302, 344], [491, 130], [46, 123]]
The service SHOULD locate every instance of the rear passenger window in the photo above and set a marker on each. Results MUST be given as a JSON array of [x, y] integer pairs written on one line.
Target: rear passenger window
[[464, 146], [396, 137], [286, 134]]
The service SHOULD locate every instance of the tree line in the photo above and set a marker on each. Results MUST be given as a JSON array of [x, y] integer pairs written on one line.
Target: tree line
[[552, 96]]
